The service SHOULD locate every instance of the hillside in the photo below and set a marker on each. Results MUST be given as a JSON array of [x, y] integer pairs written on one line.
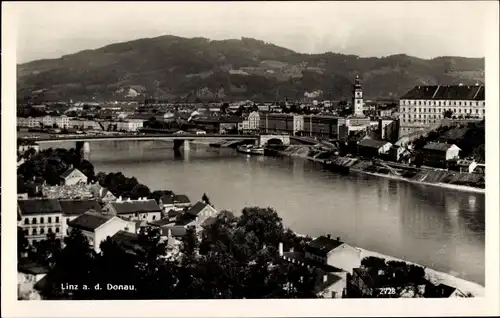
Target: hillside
[[172, 67]]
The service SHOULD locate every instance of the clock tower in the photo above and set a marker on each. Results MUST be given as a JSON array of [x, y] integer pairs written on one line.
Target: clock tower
[[357, 98]]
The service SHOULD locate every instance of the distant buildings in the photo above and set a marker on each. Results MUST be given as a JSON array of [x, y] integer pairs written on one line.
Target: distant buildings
[[424, 106]]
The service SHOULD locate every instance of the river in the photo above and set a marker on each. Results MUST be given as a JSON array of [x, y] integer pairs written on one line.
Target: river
[[439, 228]]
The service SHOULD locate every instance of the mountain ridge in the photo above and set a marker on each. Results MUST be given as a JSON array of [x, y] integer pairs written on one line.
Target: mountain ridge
[[173, 67]]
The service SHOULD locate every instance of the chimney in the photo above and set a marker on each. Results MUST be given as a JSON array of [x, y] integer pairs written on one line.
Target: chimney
[[100, 191], [325, 278], [338, 238], [329, 236], [169, 233], [280, 248], [196, 220]]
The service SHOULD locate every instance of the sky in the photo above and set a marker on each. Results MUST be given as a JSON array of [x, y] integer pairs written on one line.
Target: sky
[[424, 29]]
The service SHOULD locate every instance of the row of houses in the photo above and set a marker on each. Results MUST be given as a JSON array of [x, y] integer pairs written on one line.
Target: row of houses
[[128, 124]]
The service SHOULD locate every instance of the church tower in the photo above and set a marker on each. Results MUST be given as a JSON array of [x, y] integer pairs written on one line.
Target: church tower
[[357, 98]]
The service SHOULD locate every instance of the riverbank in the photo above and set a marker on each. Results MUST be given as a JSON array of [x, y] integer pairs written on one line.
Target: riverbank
[[457, 187], [435, 276]]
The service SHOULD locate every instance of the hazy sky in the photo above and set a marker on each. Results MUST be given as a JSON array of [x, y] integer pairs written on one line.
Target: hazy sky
[[423, 29]]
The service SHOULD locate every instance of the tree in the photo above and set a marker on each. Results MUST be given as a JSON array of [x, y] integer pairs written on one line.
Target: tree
[[265, 223], [140, 191], [448, 113], [22, 243], [205, 199]]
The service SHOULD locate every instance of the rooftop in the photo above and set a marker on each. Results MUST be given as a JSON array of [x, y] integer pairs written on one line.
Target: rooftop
[[30, 267], [90, 221], [438, 146], [372, 143], [39, 206], [135, 206], [323, 245], [447, 92], [66, 173], [181, 199], [197, 208], [77, 207]]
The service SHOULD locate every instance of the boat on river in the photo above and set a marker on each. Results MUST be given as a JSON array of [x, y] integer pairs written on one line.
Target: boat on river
[[334, 167], [251, 150]]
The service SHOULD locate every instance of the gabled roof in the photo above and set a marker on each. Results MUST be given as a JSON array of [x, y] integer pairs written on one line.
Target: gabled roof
[[39, 206], [197, 208], [323, 245], [181, 198], [77, 207], [372, 143], [446, 92], [127, 207], [438, 146], [90, 221], [66, 173], [161, 222], [185, 219], [167, 199]]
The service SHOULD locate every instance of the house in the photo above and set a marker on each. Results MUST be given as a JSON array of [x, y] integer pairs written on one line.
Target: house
[[166, 203], [102, 194], [334, 253], [71, 209], [40, 217], [440, 152], [141, 209], [181, 201], [202, 211], [331, 282], [73, 176], [373, 148], [28, 274], [466, 166], [442, 291], [97, 227]]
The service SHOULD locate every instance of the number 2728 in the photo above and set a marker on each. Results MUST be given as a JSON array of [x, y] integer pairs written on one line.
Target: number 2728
[[388, 291]]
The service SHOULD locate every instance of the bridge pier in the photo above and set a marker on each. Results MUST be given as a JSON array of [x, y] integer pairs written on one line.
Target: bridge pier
[[83, 148], [178, 144]]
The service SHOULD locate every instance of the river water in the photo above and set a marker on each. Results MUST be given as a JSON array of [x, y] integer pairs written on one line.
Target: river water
[[439, 228]]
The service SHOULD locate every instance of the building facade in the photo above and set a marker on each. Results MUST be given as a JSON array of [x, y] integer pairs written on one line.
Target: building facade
[[424, 106]]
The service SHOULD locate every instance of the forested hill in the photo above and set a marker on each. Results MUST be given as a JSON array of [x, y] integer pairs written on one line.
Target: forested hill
[[171, 67]]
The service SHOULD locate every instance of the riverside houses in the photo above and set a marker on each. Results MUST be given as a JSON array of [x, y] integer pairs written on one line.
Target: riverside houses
[[440, 153], [334, 253], [373, 148], [202, 212], [140, 209], [97, 227]]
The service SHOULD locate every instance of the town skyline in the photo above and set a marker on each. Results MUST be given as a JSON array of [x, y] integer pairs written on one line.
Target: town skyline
[[341, 27]]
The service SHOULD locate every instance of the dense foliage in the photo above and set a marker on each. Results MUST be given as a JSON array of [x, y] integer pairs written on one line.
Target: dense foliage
[[236, 257]]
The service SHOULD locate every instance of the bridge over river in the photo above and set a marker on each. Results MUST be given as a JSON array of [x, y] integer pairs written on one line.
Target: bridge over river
[[180, 140]]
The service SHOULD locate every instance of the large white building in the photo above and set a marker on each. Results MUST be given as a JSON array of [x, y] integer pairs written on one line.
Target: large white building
[[424, 106]]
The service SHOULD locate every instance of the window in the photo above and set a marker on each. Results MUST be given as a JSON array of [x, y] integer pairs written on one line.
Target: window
[[477, 111], [33, 232], [41, 220], [57, 219], [154, 217], [49, 230], [57, 230], [26, 221], [42, 230], [33, 221], [425, 103], [49, 219], [459, 103]]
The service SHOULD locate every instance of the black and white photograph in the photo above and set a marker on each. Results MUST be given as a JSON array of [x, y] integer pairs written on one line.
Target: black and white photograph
[[252, 150]]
